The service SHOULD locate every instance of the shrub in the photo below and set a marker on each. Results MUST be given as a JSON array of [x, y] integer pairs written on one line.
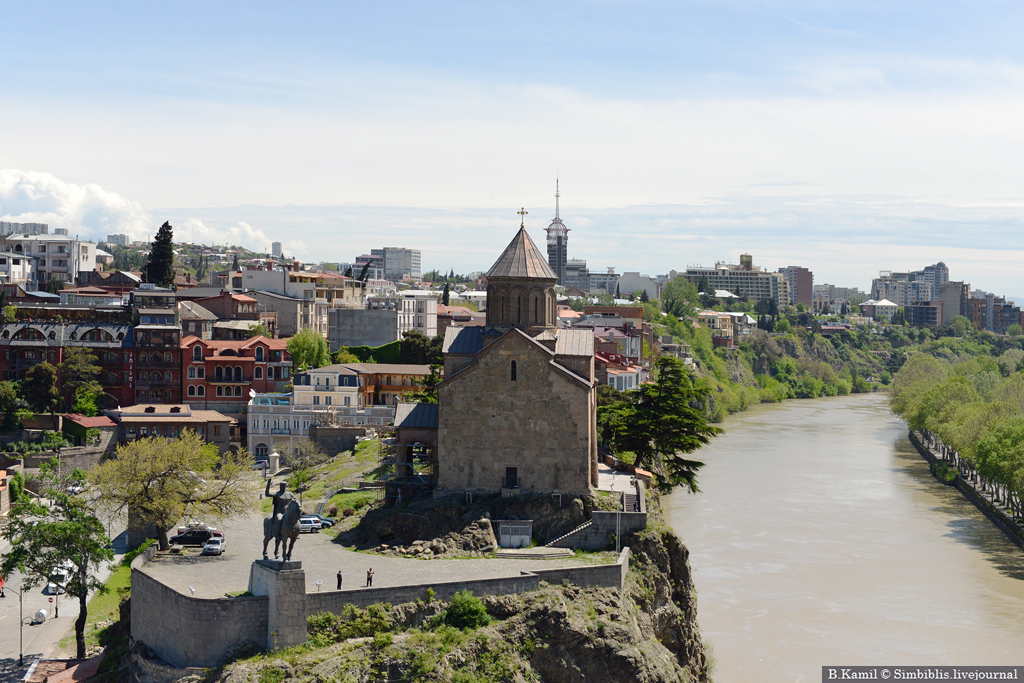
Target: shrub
[[130, 556], [333, 511], [348, 512], [466, 611]]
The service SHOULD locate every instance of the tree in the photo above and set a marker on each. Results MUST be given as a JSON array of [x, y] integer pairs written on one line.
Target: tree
[[159, 269], [309, 350], [234, 264], [445, 295], [660, 422], [960, 325], [86, 402], [9, 406], [10, 313], [64, 543], [679, 297], [40, 388], [258, 330], [643, 296], [1014, 330], [160, 481], [343, 355], [899, 317], [418, 349], [78, 373], [428, 387]]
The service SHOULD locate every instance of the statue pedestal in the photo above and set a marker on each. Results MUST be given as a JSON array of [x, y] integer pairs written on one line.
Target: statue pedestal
[[284, 583]]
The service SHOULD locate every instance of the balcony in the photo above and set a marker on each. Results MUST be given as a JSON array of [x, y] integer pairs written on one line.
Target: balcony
[[280, 431]]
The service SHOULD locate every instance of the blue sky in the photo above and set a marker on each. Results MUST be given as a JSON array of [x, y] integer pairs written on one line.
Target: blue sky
[[849, 137]]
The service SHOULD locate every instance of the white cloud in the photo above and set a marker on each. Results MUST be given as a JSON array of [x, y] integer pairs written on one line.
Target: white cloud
[[87, 210], [241, 234]]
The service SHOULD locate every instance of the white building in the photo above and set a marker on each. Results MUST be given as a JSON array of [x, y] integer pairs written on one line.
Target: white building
[[874, 309], [634, 282], [18, 270], [8, 228], [119, 239], [58, 257], [399, 262], [275, 249]]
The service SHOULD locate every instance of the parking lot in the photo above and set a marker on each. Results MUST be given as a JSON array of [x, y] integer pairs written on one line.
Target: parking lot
[[214, 576]]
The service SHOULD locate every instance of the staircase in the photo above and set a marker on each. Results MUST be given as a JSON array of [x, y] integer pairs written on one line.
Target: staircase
[[628, 501], [567, 540], [539, 553]]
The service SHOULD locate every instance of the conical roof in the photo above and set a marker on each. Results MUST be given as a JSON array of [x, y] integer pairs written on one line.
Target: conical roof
[[522, 258]]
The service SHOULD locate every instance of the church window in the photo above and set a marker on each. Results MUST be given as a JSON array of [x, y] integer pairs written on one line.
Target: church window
[[519, 309], [536, 311], [513, 371]]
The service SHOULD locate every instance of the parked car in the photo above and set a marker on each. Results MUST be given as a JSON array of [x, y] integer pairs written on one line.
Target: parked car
[[310, 524], [215, 546], [325, 522], [197, 537], [75, 489], [261, 465]]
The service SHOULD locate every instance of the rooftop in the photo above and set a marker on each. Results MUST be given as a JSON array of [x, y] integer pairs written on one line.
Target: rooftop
[[522, 259]]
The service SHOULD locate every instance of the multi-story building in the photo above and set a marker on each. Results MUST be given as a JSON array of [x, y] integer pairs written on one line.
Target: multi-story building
[[58, 257], [169, 421], [831, 292], [876, 309], [8, 228], [399, 263], [576, 275], [558, 244], [118, 239], [157, 345], [374, 265], [89, 296], [26, 343], [195, 320], [222, 375], [801, 284], [925, 313], [382, 321], [18, 269], [630, 283], [743, 280], [993, 313], [603, 283], [900, 289], [954, 297], [275, 250]]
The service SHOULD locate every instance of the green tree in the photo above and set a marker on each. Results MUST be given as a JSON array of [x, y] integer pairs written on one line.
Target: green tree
[[234, 264], [445, 295], [39, 389], [64, 543], [419, 349], [1014, 330], [343, 355], [86, 402], [159, 269], [662, 421], [258, 330], [680, 298], [10, 314], [9, 406], [309, 350], [78, 373], [643, 296], [428, 387], [960, 325], [160, 481]]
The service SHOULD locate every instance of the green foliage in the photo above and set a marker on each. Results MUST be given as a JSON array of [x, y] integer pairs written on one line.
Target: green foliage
[[9, 406], [160, 268], [86, 402], [17, 487], [10, 314], [40, 388], [680, 298], [659, 422], [445, 295], [130, 556], [418, 349], [78, 372], [465, 610], [258, 330], [960, 325], [1014, 330], [326, 628], [309, 349]]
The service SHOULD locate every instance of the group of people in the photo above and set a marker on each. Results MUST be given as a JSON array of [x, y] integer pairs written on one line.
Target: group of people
[[369, 578]]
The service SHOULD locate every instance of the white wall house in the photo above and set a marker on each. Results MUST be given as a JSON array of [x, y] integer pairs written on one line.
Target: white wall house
[[58, 257]]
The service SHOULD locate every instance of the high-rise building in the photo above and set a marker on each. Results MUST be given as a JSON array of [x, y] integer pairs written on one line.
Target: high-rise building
[[576, 275], [275, 249], [558, 242], [801, 284], [7, 228], [399, 263], [118, 239], [906, 288]]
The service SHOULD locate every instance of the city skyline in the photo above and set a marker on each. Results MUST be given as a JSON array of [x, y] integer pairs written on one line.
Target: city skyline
[[807, 133]]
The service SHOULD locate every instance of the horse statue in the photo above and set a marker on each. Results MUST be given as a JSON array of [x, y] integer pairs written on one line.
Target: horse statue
[[282, 525]]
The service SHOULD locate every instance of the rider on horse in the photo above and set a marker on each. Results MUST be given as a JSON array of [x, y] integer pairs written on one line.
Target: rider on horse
[[281, 500]]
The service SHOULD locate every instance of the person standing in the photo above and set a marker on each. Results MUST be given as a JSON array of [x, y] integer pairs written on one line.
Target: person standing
[[369, 577], [339, 579], [2, 595]]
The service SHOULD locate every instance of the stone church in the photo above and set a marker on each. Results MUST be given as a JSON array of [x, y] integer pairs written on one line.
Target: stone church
[[517, 409]]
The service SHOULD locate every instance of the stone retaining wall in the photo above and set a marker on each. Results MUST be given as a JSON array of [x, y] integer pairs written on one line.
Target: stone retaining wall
[[1000, 517], [186, 631]]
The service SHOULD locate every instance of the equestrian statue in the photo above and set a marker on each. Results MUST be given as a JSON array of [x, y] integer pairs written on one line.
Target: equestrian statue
[[283, 523]]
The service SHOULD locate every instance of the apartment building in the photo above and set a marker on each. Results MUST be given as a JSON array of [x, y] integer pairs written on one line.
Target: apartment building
[[118, 239], [744, 280], [9, 228], [157, 370], [398, 263], [58, 257], [384, 320], [18, 269], [801, 284]]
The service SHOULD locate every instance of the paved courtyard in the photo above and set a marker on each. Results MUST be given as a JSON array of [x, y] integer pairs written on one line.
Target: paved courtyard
[[321, 558]]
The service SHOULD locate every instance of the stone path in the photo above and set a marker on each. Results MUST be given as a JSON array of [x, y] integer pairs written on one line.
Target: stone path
[[321, 558], [610, 480]]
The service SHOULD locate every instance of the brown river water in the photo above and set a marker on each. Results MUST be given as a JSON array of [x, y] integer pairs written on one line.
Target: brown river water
[[820, 538]]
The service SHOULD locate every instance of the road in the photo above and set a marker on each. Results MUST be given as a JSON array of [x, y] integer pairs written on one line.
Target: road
[[40, 640]]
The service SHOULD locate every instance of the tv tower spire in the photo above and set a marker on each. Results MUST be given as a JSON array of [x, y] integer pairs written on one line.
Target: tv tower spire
[[558, 240]]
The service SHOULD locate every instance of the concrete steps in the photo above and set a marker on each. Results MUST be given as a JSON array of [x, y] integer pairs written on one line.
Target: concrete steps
[[538, 553], [566, 540]]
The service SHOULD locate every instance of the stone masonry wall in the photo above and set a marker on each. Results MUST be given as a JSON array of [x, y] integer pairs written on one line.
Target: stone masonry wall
[[334, 440], [187, 631], [540, 423]]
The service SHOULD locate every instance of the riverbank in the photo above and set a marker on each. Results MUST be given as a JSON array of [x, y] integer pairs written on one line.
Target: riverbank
[[985, 501], [820, 536]]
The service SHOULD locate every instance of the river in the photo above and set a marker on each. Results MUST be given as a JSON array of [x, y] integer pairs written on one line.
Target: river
[[820, 538]]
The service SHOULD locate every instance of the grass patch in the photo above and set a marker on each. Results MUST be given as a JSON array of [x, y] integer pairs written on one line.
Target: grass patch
[[266, 505], [366, 450], [103, 607], [356, 501]]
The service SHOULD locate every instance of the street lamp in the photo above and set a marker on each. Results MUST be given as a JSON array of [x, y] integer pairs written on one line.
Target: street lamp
[[21, 628]]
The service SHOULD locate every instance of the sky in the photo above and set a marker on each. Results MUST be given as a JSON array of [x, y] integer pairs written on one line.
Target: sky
[[847, 137]]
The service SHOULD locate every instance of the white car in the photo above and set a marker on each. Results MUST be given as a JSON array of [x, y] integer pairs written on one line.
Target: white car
[[310, 524], [215, 546]]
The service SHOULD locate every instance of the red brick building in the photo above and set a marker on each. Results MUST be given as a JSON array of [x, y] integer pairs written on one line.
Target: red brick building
[[219, 373]]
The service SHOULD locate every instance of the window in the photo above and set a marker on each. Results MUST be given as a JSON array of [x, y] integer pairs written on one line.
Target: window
[[255, 423], [238, 391], [220, 373], [220, 391], [200, 372], [348, 400], [202, 390], [143, 376], [261, 450], [296, 424], [197, 352], [167, 395], [167, 377], [513, 372], [259, 353], [258, 373], [216, 430], [191, 372], [143, 357], [191, 390], [316, 400], [167, 357], [327, 401], [238, 373]]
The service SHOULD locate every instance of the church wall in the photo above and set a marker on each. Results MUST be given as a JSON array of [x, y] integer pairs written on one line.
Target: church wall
[[541, 424]]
